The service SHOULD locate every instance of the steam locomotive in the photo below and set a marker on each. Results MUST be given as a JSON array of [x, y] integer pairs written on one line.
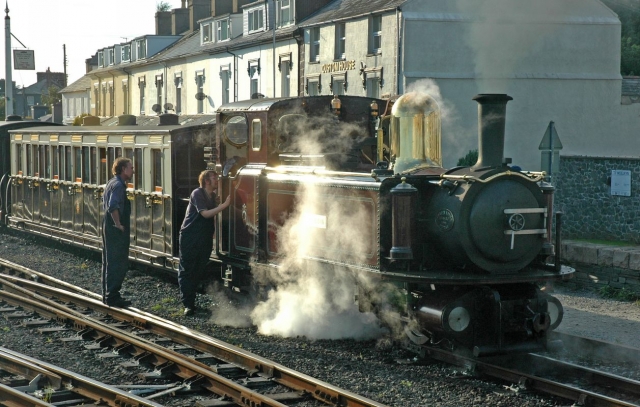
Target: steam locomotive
[[344, 183]]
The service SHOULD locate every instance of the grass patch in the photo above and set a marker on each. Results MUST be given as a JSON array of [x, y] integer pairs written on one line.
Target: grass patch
[[619, 294]]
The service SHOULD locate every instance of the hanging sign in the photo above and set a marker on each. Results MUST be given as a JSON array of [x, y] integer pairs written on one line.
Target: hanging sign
[[23, 59]]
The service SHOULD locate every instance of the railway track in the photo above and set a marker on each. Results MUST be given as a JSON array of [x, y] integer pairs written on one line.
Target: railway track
[[581, 385], [228, 373]]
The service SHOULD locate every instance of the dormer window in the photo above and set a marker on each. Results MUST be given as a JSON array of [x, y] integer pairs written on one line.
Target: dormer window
[[285, 15], [112, 56], [141, 48], [206, 33], [256, 20], [125, 53], [222, 30], [101, 59]]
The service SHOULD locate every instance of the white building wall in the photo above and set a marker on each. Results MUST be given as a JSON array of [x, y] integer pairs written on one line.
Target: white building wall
[[560, 61]]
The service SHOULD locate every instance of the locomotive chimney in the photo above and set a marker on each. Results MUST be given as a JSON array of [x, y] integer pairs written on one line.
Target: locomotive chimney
[[491, 122]]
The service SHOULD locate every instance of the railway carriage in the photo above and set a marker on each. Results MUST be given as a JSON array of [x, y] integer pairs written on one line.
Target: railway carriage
[[58, 176]]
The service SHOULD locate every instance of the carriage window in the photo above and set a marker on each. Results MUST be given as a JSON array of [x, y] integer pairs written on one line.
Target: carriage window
[[47, 162], [41, 165], [235, 130], [156, 156], [77, 155], [128, 153], [19, 160], [36, 160], [29, 161], [86, 168], [67, 164], [137, 163], [93, 176], [55, 164], [111, 157], [256, 134], [104, 168]]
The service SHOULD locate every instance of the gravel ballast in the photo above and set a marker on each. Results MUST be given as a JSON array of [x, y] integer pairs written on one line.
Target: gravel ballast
[[372, 368]]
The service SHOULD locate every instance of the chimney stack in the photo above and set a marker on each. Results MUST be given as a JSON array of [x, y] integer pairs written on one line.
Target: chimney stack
[[492, 110], [163, 23]]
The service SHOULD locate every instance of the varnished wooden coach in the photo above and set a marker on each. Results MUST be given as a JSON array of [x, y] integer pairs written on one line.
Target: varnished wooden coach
[[58, 176]]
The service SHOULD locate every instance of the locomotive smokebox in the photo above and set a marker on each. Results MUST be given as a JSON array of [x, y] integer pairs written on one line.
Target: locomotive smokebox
[[491, 123]]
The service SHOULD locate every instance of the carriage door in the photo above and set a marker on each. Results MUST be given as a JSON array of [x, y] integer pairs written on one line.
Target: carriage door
[[17, 184], [243, 220], [90, 192], [55, 193]]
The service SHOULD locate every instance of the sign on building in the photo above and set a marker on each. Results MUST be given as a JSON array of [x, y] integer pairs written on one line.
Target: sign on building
[[23, 59], [621, 182]]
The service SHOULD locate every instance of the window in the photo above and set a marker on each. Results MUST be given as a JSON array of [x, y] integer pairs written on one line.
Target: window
[[254, 74], [141, 86], [314, 44], [222, 30], [104, 169], [178, 83], [101, 59], [200, 84], [373, 87], [340, 41], [125, 96], [55, 165], [30, 153], [68, 174], [112, 56], [225, 75], [137, 163], [86, 164], [19, 159], [375, 34], [111, 102], [339, 84], [104, 99], [141, 48], [77, 165], [285, 78], [235, 130], [125, 53], [156, 174], [284, 12], [159, 83], [313, 88], [255, 20], [206, 32], [47, 162], [256, 134]]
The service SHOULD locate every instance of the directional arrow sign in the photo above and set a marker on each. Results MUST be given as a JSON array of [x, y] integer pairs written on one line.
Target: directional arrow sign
[[550, 140]]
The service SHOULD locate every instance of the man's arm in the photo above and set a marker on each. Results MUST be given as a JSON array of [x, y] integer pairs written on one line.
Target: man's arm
[[210, 213]]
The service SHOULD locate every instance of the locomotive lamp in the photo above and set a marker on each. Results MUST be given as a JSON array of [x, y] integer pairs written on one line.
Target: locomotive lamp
[[336, 104], [402, 203]]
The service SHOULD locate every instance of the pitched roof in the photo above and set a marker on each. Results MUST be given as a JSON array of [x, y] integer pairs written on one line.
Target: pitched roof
[[347, 9], [80, 85]]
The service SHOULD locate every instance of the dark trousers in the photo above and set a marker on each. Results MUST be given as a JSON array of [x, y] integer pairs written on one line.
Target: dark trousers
[[194, 256], [115, 260]]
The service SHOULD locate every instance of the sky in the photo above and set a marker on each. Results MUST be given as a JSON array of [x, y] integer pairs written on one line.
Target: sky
[[84, 26]]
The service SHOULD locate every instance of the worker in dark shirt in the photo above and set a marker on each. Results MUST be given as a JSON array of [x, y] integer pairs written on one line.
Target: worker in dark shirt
[[115, 233], [196, 237]]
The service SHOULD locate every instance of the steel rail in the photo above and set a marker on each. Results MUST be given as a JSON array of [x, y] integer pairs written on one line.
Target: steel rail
[[526, 380], [60, 379], [319, 390], [10, 397], [178, 364]]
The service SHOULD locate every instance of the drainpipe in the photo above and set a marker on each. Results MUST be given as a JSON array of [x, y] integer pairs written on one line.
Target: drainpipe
[[235, 75]]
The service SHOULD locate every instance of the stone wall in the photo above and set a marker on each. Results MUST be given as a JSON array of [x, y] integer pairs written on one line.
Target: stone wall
[[599, 265], [583, 194]]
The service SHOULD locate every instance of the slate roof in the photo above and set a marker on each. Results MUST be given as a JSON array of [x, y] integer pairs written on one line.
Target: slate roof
[[80, 85], [347, 9]]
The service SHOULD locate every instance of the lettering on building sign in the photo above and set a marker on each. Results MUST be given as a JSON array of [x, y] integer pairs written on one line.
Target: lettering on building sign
[[339, 66]]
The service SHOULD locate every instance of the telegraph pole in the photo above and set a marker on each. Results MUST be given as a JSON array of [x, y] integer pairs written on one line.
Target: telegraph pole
[[8, 84]]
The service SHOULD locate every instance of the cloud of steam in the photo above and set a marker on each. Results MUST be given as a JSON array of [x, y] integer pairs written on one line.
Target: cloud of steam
[[312, 299]]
